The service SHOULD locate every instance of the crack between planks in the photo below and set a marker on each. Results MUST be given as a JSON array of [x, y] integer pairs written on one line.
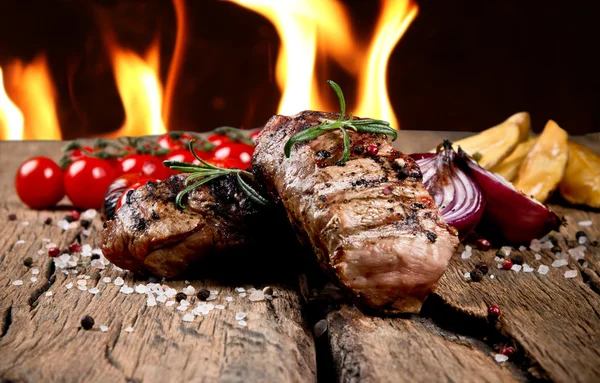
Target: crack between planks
[[50, 279], [7, 321], [457, 323]]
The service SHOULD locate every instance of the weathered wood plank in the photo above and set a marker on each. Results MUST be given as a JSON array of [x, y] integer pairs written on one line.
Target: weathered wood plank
[[41, 338]]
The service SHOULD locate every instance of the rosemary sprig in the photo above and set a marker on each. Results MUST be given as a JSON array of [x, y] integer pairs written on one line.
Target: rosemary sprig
[[363, 126], [206, 172]]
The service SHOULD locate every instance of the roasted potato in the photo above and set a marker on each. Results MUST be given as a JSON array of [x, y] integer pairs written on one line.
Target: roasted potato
[[544, 166], [581, 182], [509, 167], [523, 121]]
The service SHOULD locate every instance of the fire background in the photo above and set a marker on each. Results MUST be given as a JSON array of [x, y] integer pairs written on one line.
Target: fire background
[[460, 65]]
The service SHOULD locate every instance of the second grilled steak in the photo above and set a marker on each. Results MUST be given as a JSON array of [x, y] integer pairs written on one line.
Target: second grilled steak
[[370, 221]]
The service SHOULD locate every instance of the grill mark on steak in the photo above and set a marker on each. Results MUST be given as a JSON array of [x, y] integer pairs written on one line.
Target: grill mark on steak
[[377, 230]]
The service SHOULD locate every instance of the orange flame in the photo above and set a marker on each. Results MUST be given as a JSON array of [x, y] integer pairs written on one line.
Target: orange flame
[[33, 114], [316, 28], [394, 20], [177, 60]]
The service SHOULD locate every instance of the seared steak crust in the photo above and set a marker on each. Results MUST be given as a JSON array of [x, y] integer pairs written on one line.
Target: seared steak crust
[[149, 233], [370, 221]]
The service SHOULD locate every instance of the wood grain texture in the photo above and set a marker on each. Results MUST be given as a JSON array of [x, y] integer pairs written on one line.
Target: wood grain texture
[[42, 339]]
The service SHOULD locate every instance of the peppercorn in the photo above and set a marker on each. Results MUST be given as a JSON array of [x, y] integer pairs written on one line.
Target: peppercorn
[[28, 262], [595, 243], [476, 156], [555, 249], [494, 312], [12, 217], [87, 322], [180, 296], [74, 247], [372, 150], [580, 234], [48, 220], [203, 294], [95, 256], [53, 252], [85, 223], [483, 267], [75, 215], [483, 244], [517, 259], [68, 218], [500, 253], [105, 225], [581, 261], [476, 275], [507, 265], [507, 350]]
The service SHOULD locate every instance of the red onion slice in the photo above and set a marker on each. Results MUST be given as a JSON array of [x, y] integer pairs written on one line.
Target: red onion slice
[[458, 197], [509, 216]]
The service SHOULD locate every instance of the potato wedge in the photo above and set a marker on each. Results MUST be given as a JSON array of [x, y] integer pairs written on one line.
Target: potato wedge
[[581, 182], [509, 167], [544, 166], [493, 144], [523, 121]]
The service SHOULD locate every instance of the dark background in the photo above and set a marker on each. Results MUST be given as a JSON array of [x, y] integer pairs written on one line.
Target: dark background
[[462, 65]]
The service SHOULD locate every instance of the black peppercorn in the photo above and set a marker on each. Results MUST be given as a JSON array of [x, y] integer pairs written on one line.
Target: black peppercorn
[[340, 163], [180, 296], [95, 256], [69, 218], [203, 294], [28, 261], [48, 220], [87, 322], [555, 249], [476, 275], [105, 224], [517, 259], [483, 267], [85, 223], [595, 243], [12, 217], [581, 261], [155, 215], [580, 234]]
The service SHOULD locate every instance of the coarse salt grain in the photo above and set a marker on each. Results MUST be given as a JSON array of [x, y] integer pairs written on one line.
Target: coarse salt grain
[[507, 250], [242, 295], [93, 290], [41, 252], [535, 245], [527, 268], [97, 264], [186, 282], [229, 299], [170, 293], [467, 275], [240, 315], [86, 250], [119, 281], [89, 214], [560, 262], [465, 255], [82, 282], [69, 285], [161, 298], [150, 300], [33, 279], [18, 282], [498, 259], [35, 271], [189, 290], [500, 358], [48, 293], [73, 225], [86, 233], [25, 223], [543, 269], [257, 296], [182, 308], [63, 224], [184, 302], [522, 248], [82, 288], [242, 323], [106, 280], [188, 317], [129, 329], [516, 268], [169, 303], [219, 307], [585, 223], [103, 328], [570, 273], [492, 276], [20, 242], [140, 289], [126, 289], [582, 240], [538, 257], [239, 289]]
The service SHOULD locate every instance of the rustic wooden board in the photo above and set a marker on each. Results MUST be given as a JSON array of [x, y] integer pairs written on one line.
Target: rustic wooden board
[[41, 339], [553, 322]]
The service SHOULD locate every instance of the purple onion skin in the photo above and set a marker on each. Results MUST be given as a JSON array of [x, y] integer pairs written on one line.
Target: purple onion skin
[[510, 217], [440, 173]]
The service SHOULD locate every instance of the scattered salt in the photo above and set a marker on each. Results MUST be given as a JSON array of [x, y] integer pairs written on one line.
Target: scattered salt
[[188, 317], [97, 264], [161, 298], [240, 315], [570, 273], [20, 242], [242, 323], [547, 245], [106, 280], [527, 268], [239, 289], [82, 288], [507, 250], [170, 293], [219, 307], [578, 252], [465, 255], [535, 245], [86, 250], [498, 259], [538, 257], [129, 329], [257, 296], [73, 225], [585, 223], [89, 214], [501, 358], [103, 328], [48, 293], [560, 262], [33, 279], [86, 233], [242, 295], [214, 292], [35, 271], [189, 290], [492, 276], [63, 224], [140, 289], [25, 223], [543, 269], [186, 282], [93, 290], [467, 275], [69, 285], [119, 281], [522, 248], [251, 290], [126, 290], [41, 252], [150, 300], [184, 302], [229, 299], [583, 239], [18, 282], [169, 303], [182, 308], [516, 268], [82, 282]]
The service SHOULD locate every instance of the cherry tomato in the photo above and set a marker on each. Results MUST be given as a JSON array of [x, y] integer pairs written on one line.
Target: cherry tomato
[[141, 180], [236, 151], [117, 188], [86, 181], [145, 164], [218, 139], [87, 151], [254, 134], [174, 140], [39, 183], [228, 163]]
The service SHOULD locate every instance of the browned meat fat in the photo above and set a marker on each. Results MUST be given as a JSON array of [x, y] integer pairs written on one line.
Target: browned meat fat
[[149, 233], [370, 221]]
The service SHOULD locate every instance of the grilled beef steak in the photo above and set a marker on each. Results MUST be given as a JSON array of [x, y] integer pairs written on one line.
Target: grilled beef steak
[[149, 233], [370, 221]]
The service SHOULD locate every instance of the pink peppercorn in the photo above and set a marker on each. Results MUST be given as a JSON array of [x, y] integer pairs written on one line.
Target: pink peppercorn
[[483, 244], [53, 252], [75, 215], [507, 265], [74, 247], [387, 190], [508, 351], [494, 311], [372, 150]]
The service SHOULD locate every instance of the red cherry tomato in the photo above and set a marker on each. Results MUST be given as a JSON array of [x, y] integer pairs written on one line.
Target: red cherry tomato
[[236, 151], [141, 180], [39, 183], [145, 164], [218, 139], [174, 140], [86, 181], [228, 163]]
